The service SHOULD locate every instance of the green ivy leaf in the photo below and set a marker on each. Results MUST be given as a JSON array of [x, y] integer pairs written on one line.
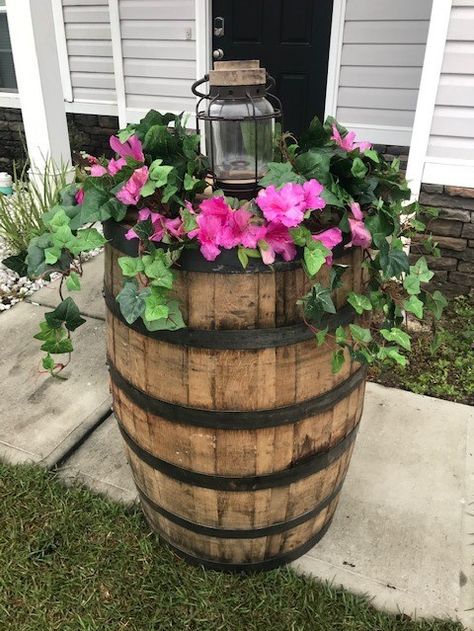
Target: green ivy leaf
[[315, 255], [372, 155], [301, 236], [280, 173], [132, 301], [321, 336], [113, 209], [156, 268], [87, 240], [66, 312], [189, 220], [173, 322], [315, 163], [398, 336], [340, 335], [359, 334], [415, 306], [393, 262], [48, 363], [155, 307], [338, 360], [359, 302], [358, 169], [52, 255], [421, 271], [243, 258], [436, 303], [392, 352], [318, 302], [56, 339], [73, 282], [412, 284], [130, 265]]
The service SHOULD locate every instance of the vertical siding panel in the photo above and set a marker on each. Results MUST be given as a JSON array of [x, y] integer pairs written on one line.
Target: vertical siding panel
[[382, 56], [87, 26]]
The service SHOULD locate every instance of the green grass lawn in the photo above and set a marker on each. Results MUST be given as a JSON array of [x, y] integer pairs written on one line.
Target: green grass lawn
[[73, 561], [447, 371]]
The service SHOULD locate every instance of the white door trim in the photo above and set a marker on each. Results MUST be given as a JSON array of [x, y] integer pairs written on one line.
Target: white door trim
[[203, 37], [116, 36], [435, 45], [335, 54], [61, 45]]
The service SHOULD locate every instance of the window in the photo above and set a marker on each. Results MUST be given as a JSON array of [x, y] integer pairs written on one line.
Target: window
[[7, 69]]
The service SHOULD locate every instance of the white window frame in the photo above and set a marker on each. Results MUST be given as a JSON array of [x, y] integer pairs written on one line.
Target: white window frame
[[8, 99]]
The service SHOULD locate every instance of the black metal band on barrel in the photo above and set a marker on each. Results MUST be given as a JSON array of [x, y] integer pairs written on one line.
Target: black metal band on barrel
[[191, 260], [230, 419], [231, 533], [299, 471], [247, 568], [234, 339]]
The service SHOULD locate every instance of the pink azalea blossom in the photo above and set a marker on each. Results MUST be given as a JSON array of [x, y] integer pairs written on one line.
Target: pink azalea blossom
[[209, 235], [175, 227], [360, 235], [312, 191], [277, 240], [329, 238], [130, 148], [348, 143], [285, 206], [157, 220], [97, 170], [114, 165], [240, 231], [129, 194], [79, 196]]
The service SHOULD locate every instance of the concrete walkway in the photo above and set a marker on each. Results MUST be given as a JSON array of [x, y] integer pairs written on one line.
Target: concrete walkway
[[404, 529]]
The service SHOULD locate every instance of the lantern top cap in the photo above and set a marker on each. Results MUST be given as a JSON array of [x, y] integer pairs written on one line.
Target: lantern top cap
[[233, 73]]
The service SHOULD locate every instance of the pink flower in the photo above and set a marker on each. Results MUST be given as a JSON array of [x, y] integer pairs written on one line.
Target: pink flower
[[277, 240], [209, 235], [79, 196], [360, 235], [114, 165], [285, 206], [157, 220], [348, 142], [329, 238], [312, 191], [97, 170], [129, 194], [240, 231], [130, 148], [175, 227]]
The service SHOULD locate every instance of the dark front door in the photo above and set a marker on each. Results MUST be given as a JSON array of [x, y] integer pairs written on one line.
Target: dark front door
[[291, 39]]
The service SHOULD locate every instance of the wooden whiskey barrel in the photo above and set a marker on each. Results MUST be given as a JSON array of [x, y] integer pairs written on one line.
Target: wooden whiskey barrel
[[238, 434]]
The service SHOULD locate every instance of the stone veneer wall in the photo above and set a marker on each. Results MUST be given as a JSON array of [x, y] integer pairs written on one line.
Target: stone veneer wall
[[454, 230], [87, 132]]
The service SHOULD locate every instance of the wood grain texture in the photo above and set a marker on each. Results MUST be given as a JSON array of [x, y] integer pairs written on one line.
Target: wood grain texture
[[239, 381]]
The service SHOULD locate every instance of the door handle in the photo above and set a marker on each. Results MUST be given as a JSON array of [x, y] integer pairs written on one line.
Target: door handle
[[217, 54], [218, 26]]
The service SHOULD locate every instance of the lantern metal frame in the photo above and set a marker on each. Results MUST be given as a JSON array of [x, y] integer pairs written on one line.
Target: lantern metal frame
[[243, 93]]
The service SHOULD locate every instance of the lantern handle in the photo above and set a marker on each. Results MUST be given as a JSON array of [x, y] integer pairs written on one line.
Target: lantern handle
[[197, 83], [270, 82]]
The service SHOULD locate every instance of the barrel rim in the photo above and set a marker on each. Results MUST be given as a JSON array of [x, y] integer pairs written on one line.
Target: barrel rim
[[237, 419], [191, 260], [234, 339], [315, 463]]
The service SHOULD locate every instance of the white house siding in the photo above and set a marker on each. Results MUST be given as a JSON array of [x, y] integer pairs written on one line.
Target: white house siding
[[89, 46], [452, 129], [159, 54], [381, 61]]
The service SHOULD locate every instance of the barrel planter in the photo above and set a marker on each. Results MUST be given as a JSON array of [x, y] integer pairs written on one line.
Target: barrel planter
[[238, 434]]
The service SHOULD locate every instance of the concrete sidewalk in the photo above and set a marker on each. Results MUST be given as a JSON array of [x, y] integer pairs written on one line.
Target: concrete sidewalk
[[404, 530]]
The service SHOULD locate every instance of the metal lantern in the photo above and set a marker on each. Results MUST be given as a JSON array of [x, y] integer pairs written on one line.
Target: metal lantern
[[239, 115]]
